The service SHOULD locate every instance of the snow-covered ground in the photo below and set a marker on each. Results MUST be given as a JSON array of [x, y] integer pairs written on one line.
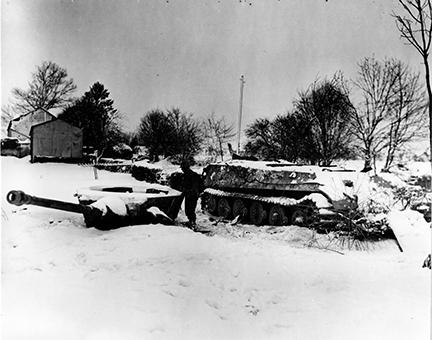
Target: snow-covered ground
[[61, 280]]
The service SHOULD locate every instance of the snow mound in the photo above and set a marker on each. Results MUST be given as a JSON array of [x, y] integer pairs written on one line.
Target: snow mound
[[116, 205], [412, 232], [146, 164], [392, 179]]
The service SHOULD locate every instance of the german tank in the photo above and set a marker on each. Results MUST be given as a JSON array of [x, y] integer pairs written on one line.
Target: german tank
[[277, 193]]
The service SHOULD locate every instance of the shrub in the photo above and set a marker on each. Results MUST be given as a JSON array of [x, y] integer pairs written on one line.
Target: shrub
[[121, 150], [171, 134], [316, 132]]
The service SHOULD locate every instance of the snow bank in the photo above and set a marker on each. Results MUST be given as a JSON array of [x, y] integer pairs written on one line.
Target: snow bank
[[63, 281], [145, 163], [163, 165], [412, 232], [420, 168], [392, 179]]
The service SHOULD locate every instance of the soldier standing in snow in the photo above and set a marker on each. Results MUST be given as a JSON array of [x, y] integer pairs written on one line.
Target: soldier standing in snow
[[191, 187]]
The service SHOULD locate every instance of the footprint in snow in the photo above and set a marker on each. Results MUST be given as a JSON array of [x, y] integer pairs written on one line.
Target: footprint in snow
[[212, 304], [184, 283], [157, 329], [81, 258], [275, 299], [170, 293], [252, 309], [279, 325], [134, 278]]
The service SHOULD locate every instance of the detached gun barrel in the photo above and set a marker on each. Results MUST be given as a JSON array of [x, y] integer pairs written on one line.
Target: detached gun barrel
[[18, 197]]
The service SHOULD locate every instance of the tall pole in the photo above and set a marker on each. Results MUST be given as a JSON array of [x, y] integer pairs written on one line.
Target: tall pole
[[242, 82]]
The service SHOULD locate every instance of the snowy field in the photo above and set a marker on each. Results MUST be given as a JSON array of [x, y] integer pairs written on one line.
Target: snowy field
[[61, 280]]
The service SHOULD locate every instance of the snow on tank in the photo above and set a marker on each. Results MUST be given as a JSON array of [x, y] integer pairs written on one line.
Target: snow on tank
[[144, 196], [282, 190]]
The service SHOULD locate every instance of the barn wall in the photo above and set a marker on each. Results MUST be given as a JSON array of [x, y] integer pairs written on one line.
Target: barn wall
[[56, 139]]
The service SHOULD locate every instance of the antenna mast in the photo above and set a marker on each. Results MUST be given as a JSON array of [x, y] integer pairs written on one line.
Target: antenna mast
[[242, 82]]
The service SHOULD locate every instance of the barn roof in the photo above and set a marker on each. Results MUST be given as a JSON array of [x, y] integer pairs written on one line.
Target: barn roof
[[56, 121]]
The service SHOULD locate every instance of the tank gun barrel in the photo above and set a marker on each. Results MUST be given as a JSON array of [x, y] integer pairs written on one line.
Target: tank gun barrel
[[95, 216], [18, 197]]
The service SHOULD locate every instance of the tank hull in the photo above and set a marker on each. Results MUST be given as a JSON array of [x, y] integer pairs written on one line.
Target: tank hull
[[273, 193]]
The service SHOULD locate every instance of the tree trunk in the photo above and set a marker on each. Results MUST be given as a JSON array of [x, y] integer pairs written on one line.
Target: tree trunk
[[367, 158], [221, 150], [374, 164], [390, 151], [429, 91]]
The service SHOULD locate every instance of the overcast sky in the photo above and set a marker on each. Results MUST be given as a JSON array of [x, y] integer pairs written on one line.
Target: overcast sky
[[190, 53]]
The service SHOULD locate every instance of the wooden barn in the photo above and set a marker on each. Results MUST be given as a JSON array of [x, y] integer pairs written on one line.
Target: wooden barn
[[56, 140], [20, 127]]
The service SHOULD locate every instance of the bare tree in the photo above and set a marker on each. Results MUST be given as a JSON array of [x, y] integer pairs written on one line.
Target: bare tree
[[317, 131], [186, 134], [376, 80], [415, 26], [49, 88], [289, 136], [326, 103], [261, 140], [172, 134], [217, 133], [154, 132], [390, 110], [407, 113]]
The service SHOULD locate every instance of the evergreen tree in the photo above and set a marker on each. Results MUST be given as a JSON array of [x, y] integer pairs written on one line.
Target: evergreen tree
[[95, 114]]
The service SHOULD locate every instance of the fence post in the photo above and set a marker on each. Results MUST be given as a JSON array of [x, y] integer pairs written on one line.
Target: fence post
[[95, 159]]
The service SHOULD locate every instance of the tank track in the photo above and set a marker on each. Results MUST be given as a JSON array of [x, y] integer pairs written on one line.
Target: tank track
[[273, 210], [285, 201]]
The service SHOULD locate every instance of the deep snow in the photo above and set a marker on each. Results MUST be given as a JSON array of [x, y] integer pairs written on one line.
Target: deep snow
[[61, 280]]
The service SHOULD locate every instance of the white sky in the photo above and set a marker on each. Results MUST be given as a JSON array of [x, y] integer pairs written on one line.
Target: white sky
[[191, 53]]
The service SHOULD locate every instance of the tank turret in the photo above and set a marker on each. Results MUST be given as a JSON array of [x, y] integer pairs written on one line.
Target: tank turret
[[108, 208]]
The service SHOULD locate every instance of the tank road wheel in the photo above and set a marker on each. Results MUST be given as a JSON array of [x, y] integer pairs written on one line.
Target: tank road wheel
[[257, 214], [211, 204], [299, 217], [223, 208], [239, 208], [304, 215], [277, 215]]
